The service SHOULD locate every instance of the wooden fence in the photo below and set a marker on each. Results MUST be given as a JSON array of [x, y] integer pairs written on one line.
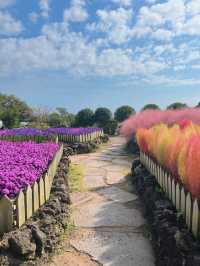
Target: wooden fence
[[55, 138], [80, 138], [16, 212], [182, 199]]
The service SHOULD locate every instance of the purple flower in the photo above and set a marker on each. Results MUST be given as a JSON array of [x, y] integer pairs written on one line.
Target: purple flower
[[22, 163]]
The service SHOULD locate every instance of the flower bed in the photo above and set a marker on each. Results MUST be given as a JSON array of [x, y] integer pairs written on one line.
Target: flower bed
[[23, 163], [27, 170], [51, 134]]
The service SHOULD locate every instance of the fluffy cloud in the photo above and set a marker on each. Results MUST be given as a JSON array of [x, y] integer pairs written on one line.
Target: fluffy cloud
[[44, 7], [9, 25], [114, 23], [107, 44], [77, 11]]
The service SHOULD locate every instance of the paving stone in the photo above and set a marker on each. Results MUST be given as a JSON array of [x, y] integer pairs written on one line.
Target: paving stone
[[107, 214], [116, 249], [118, 195]]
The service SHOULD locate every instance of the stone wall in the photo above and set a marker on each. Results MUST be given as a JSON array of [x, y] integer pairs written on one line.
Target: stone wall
[[40, 235], [174, 245], [81, 148]]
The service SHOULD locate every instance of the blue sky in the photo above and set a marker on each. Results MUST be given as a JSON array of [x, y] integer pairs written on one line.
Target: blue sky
[[91, 53]]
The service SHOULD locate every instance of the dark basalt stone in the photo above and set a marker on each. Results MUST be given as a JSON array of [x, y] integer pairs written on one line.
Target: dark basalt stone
[[174, 245]]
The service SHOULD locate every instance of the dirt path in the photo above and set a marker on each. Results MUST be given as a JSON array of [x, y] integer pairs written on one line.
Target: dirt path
[[110, 229]]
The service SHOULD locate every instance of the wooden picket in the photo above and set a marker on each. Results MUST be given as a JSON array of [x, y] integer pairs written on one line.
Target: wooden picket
[[188, 210], [195, 218], [28, 202], [20, 209], [178, 197], [6, 214], [182, 200]]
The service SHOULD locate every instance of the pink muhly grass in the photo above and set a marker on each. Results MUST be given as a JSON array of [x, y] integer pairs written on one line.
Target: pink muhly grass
[[149, 118]]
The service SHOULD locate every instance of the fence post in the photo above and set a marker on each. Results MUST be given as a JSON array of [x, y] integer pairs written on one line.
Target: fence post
[[169, 187], [6, 214], [20, 209], [183, 201], [35, 197], [188, 210], [28, 202], [178, 197], [195, 218]]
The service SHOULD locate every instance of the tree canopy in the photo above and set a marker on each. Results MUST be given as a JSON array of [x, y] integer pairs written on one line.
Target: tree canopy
[[84, 118], [150, 106], [123, 112], [14, 110], [102, 115], [177, 105]]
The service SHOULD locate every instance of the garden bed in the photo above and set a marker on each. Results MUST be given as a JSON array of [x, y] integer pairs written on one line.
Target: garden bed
[[39, 237], [65, 135], [173, 243], [27, 172]]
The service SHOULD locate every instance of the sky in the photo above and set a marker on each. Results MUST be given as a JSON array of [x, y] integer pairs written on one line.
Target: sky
[[92, 53]]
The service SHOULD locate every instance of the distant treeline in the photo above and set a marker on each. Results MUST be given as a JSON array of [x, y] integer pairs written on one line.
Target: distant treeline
[[15, 113]]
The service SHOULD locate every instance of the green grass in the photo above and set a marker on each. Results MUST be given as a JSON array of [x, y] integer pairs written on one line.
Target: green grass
[[75, 175]]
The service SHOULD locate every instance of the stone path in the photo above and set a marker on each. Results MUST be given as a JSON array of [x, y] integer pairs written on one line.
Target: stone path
[[110, 229]]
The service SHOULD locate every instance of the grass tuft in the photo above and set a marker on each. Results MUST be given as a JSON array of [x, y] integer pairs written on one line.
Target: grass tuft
[[75, 175]]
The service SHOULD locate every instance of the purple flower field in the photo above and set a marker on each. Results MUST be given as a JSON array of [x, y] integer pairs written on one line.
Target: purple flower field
[[46, 132], [22, 163]]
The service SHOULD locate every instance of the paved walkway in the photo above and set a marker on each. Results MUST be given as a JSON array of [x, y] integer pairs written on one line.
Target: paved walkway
[[110, 229]]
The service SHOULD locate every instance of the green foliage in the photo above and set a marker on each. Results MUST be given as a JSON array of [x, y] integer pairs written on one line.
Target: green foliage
[[84, 118], [151, 106], [55, 120], [177, 105], [67, 119], [110, 127], [13, 111], [123, 112], [102, 116]]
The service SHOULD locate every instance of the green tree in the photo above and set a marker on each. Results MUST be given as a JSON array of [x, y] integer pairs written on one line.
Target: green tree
[[151, 106], [123, 112], [55, 120], [177, 105], [110, 127], [102, 116], [84, 118], [13, 110], [66, 117]]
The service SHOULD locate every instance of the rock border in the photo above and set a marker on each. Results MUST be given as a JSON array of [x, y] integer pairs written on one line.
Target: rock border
[[81, 148], [174, 245], [39, 237]]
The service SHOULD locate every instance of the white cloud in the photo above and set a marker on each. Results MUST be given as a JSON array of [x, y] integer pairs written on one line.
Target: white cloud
[[77, 11], [123, 2], [6, 3], [45, 8], [9, 25], [114, 23], [193, 7]]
